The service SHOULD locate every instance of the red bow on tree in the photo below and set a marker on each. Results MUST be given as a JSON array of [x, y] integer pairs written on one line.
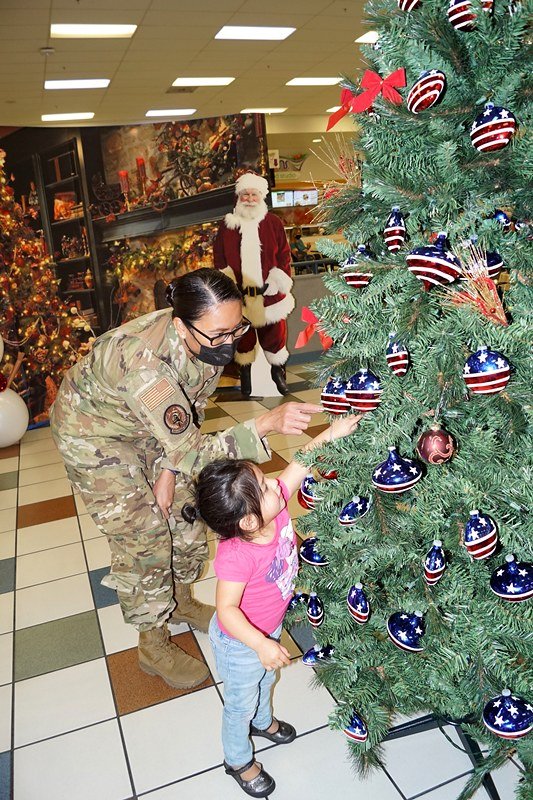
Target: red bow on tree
[[374, 85], [313, 327]]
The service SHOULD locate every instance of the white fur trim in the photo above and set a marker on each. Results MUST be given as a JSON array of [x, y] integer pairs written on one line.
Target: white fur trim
[[233, 220], [230, 273], [252, 181], [261, 315], [278, 281], [277, 359], [244, 358], [279, 310], [251, 269]]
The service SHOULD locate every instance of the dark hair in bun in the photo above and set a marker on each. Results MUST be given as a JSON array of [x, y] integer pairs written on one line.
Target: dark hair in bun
[[190, 513], [197, 292]]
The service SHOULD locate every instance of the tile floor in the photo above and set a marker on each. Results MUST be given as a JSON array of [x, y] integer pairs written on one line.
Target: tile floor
[[79, 721]]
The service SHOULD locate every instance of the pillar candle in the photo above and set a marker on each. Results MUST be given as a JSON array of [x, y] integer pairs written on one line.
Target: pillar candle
[[124, 181]]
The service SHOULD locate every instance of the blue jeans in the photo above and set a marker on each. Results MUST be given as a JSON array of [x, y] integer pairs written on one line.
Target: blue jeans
[[247, 693]]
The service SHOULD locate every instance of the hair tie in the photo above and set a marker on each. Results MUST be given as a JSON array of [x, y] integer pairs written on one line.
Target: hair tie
[[190, 513], [171, 291]]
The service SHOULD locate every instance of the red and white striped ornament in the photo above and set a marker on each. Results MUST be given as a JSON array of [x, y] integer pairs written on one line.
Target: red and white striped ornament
[[480, 535], [397, 356], [486, 371], [358, 279], [333, 396], [434, 264], [426, 91], [434, 563], [493, 129], [394, 233], [408, 5], [363, 391], [463, 17]]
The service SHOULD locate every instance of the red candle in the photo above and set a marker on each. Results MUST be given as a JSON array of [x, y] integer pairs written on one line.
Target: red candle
[[124, 181], [141, 168]]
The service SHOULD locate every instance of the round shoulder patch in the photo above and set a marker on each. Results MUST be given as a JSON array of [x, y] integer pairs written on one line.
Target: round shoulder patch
[[177, 419]]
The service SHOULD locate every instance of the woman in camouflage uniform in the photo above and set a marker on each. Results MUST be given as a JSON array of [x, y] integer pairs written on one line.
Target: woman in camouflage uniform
[[127, 423]]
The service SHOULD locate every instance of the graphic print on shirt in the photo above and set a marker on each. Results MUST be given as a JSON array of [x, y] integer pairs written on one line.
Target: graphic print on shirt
[[284, 567]]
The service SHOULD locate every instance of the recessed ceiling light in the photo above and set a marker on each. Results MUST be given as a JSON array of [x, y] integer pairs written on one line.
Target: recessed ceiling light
[[170, 112], [312, 81], [67, 117], [370, 37], [85, 83], [202, 81], [253, 32], [317, 140], [262, 110], [71, 31], [332, 109]]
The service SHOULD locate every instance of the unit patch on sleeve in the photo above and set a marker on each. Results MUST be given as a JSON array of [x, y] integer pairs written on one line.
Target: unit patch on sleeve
[[156, 394], [177, 419]]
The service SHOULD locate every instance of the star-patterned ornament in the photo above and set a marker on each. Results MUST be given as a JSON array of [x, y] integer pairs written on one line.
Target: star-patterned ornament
[[508, 716], [356, 729], [426, 91], [486, 371], [394, 233], [493, 263], [363, 391], [333, 396], [396, 474], [357, 278], [434, 264], [315, 610], [318, 654], [298, 599], [354, 510], [308, 491], [480, 535], [310, 555], [513, 581], [493, 129], [358, 604], [434, 563], [397, 356], [406, 630]]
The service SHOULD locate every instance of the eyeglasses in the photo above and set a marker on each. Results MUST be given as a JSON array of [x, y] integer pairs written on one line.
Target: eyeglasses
[[222, 338]]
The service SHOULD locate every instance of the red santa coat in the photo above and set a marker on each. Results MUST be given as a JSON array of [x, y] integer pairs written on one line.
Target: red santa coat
[[255, 253]]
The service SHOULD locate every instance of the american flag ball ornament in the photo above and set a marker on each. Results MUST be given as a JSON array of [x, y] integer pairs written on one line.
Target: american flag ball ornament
[[493, 263], [461, 15], [353, 511], [486, 371], [394, 233], [426, 91], [333, 396], [308, 489], [397, 356], [508, 716], [493, 129], [358, 278], [298, 599], [358, 604], [302, 501], [406, 630], [363, 391], [318, 654], [310, 555], [408, 5], [434, 563], [480, 535], [315, 610], [356, 729], [513, 581], [396, 474], [434, 264], [328, 474]]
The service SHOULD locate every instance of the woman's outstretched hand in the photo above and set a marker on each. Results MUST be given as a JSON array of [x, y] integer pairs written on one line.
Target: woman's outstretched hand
[[288, 418]]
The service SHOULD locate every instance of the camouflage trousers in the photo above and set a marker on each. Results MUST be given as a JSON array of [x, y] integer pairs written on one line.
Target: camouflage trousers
[[147, 555]]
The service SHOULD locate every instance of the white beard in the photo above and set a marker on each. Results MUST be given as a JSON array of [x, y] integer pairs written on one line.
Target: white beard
[[257, 211]]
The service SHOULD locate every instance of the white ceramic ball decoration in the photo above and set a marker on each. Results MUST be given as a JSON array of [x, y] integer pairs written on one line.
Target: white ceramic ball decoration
[[14, 418]]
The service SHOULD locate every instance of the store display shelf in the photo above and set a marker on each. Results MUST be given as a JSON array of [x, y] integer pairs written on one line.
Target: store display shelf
[[62, 182], [64, 221], [64, 261], [78, 291]]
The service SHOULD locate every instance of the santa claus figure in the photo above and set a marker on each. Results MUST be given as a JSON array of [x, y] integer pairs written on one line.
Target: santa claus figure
[[251, 247]]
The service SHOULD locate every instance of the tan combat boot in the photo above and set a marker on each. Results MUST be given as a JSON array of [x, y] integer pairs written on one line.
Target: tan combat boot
[[159, 656], [189, 610]]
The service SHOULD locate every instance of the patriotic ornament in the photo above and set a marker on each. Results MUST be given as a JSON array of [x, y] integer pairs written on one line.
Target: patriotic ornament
[[435, 446], [353, 511], [406, 630], [357, 278], [434, 563], [492, 263], [318, 654], [501, 217], [358, 604], [396, 474], [486, 371], [508, 716], [480, 535], [434, 264], [328, 474], [333, 396], [493, 129], [397, 356], [513, 581], [315, 610], [394, 233], [310, 555], [298, 599], [462, 16], [308, 492], [426, 91], [363, 391], [356, 729]]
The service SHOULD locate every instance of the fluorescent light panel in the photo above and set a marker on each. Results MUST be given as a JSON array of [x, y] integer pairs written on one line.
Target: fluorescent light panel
[[203, 81], [262, 110], [170, 112], [85, 83], [332, 109], [67, 117], [76, 31], [316, 140], [253, 32], [370, 37], [312, 81]]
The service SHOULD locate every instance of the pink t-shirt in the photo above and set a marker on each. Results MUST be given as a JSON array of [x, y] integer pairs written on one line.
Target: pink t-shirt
[[268, 570]]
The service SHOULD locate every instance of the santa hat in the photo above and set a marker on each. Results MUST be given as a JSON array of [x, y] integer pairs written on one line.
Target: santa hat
[[252, 181]]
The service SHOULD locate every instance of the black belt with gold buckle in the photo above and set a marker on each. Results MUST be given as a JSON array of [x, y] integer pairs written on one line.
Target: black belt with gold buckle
[[254, 291]]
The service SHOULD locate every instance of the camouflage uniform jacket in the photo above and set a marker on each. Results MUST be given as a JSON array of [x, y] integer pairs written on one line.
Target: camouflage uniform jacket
[[138, 396]]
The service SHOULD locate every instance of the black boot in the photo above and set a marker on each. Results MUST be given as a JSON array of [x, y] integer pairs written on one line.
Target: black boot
[[278, 376], [246, 380]]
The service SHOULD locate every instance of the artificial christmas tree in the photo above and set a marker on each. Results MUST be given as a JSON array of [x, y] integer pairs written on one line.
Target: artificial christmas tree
[[446, 646]]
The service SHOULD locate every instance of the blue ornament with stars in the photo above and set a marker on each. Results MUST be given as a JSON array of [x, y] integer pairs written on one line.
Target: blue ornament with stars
[[356, 729], [315, 610], [357, 278], [508, 716], [308, 491], [406, 630], [358, 604], [434, 264], [354, 510], [333, 396], [480, 535], [394, 233], [363, 391], [396, 474], [513, 581], [318, 654], [493, 129], [434, 563], [310, 555], [486, 371], [501, 217], [426, 91], [298, 599], [397, 355]]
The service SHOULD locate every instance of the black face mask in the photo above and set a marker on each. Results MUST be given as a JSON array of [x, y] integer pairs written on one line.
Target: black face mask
[[217, 356]]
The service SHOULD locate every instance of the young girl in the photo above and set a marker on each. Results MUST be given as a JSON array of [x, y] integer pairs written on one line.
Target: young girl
[[256, 566]]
